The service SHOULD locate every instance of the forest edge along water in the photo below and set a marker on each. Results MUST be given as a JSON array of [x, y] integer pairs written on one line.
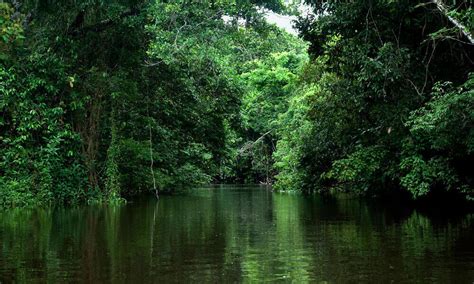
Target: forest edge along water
[[125, 97], [236, 233], [103, 103]]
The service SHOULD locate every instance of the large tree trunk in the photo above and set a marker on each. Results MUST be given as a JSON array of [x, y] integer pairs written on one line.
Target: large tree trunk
[[89, 130]]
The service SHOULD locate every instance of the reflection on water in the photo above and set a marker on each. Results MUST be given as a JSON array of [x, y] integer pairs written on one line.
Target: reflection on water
[[235, 234]]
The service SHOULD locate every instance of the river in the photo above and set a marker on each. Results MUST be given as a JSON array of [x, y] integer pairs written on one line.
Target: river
[[224, 234]]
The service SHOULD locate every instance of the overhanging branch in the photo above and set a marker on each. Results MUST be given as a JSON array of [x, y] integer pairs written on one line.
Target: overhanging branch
[[463, 29], [250, 145]]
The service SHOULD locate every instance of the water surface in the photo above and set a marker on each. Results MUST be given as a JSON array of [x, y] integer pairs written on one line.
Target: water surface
[[235, 234]]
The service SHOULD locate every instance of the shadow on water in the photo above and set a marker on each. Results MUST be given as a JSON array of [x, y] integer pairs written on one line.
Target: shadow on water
[[233, 234]]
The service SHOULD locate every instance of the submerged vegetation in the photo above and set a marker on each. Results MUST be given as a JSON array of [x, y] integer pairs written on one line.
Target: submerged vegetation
[[102, 100]]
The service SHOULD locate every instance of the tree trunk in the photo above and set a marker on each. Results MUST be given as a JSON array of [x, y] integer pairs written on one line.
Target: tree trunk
[[151, 155]]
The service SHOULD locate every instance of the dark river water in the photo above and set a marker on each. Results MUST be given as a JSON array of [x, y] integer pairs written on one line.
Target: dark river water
[[228, 234]]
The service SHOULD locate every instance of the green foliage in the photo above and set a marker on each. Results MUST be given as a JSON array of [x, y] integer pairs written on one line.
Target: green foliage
[[11, 31], [361, 169], [103, 100], [112, 183], [40, 152], [269, 84], [293, 133], [100, 100], [365, 116], [441, 146]]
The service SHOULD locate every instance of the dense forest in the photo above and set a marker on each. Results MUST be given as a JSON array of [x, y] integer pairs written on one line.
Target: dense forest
[[103, 100]]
